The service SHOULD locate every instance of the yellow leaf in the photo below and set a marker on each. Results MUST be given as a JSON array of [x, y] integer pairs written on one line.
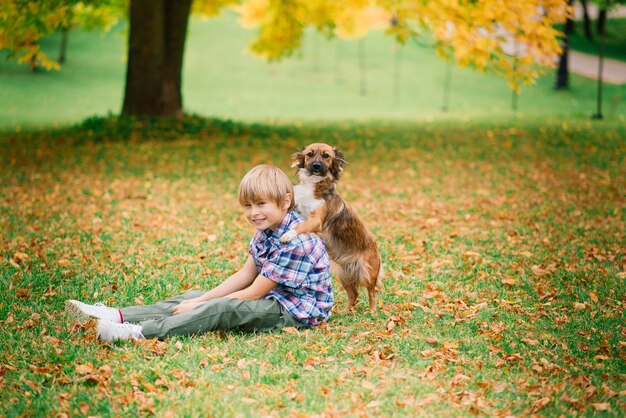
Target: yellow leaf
[[368, 385], [149, 387], [19, 257], [509, 282], [84, 368], [605, 406], [538, 271], [291, 330]]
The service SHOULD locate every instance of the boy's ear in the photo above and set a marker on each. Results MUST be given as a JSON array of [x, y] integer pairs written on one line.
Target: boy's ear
[[298, 159], [288, 198]]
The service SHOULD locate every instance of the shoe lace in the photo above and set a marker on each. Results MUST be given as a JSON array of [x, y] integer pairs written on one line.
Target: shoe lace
[[100, 305]]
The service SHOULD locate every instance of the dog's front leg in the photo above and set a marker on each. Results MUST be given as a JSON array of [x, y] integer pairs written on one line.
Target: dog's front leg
[[312, 224]]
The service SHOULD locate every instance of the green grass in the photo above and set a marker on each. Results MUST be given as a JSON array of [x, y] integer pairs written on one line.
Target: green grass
[[322, 83], [615, 41], [503, 244]]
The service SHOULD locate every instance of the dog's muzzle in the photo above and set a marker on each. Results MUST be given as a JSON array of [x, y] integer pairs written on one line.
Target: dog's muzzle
[[317, 167]]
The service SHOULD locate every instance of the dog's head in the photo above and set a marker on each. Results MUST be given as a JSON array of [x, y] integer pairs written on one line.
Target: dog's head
[[319, 160]]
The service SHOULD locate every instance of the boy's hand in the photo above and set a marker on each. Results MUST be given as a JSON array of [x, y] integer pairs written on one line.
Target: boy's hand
[[186, 306], [194, 300]]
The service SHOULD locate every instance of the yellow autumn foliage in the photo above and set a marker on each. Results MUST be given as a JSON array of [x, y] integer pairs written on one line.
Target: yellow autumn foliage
[[514, 39]]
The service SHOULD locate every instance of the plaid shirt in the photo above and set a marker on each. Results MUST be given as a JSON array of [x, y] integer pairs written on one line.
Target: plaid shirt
[[300, 268]]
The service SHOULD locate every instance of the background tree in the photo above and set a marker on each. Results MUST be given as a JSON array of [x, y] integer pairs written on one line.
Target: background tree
[[604, 6], [562, 73], [586, 20], [24, 23], [475, 33]]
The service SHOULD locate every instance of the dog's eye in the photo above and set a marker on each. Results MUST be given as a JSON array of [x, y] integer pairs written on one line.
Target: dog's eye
[[325, 155], [310, 154]]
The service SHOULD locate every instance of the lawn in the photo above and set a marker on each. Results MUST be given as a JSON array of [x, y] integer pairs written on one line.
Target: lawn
[[321, 83], [503, 245], [615, 41]]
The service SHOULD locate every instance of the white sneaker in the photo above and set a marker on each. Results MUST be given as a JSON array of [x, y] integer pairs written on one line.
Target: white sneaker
[[83, 312], [111, 331]]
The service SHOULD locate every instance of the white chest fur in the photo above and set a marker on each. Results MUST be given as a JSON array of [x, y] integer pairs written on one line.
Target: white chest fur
[[305, 201]]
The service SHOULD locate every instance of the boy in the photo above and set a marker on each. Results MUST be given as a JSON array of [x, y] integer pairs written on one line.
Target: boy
[[279, 285]]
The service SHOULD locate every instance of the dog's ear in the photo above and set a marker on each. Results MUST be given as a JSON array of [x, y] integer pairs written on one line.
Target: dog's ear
[[338, 163], [298, 159]]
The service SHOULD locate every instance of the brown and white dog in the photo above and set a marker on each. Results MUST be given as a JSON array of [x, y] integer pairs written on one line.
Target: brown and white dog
[[350, 245]]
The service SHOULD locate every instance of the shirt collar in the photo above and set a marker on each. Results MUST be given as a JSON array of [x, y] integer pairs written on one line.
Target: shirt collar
[[282, 227]]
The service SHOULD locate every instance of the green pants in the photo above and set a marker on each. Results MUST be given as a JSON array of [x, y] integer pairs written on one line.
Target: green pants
[[157, 320]]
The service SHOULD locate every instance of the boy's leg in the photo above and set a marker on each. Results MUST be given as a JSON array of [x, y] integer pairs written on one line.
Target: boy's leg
[[136, 314], [222, 314]]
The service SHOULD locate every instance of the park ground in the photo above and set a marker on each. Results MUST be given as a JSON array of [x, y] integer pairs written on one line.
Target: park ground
[[502, 235]]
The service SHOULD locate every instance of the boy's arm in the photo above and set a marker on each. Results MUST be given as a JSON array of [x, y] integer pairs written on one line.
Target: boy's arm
[[232, 288], [240, 280], [259, 288]]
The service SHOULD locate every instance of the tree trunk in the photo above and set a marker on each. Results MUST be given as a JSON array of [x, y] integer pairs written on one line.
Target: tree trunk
[[63, 50], [156, 44], [601, 23], [562, 73], [586, 20], [598, 114]]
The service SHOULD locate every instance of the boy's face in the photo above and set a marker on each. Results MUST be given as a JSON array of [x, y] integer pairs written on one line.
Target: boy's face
[[265, 213]]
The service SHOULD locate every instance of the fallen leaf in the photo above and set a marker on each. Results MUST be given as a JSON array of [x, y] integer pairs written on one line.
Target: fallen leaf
[[19, 257], [149, 387], [373, 404], [538, 271], [473, 257], [604, 406], [432, 341], [509, 282], [291, 330], [368, 385], [84, 368], [540, 404]]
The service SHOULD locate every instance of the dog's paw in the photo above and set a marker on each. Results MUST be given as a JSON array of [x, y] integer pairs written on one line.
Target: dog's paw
[[288, 236]]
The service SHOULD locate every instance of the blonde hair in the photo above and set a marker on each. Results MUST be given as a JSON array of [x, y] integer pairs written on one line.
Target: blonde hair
[[265, 182]]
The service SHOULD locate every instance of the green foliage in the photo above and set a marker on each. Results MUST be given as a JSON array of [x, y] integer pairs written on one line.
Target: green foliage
[[476, 34], [24, 23], [129, 128]]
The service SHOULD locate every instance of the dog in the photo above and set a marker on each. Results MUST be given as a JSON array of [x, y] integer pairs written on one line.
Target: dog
[[351, 246]]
